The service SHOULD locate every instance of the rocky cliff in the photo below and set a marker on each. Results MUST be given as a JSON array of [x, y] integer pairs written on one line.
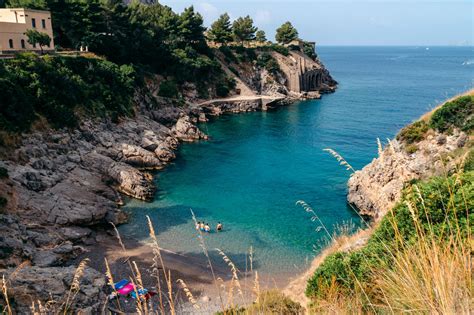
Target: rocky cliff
[[418, 152]]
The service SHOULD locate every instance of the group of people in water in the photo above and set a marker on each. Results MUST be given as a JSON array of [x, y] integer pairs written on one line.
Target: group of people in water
[[205, 227]]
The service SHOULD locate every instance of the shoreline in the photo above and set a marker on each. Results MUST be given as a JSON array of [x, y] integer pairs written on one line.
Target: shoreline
[[66, 186]]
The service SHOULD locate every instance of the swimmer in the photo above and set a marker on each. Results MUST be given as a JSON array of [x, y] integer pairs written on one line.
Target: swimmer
[[207, 228], [219, 227]]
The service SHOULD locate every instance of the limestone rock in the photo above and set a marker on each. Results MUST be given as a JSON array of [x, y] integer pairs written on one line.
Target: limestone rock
[[186, 131], [139, 157], [377, 187]]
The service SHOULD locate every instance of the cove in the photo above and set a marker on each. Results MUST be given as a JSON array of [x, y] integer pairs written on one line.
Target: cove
[[257, 165]]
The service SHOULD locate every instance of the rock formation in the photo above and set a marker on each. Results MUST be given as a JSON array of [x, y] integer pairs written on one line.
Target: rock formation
[[305, 75], [377, 187]]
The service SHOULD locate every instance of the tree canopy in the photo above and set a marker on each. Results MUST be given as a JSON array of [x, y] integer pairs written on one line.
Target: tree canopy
[[260, 36], [286, 33], [221, 30], [243, 29]]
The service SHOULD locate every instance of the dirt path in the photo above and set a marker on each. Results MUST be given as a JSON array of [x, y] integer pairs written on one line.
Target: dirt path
[[242, 98]]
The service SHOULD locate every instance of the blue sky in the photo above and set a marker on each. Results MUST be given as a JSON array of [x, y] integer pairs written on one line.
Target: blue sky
[[345, 22]]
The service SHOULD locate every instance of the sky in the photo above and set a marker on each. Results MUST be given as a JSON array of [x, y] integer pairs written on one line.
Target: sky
[[346, 22]]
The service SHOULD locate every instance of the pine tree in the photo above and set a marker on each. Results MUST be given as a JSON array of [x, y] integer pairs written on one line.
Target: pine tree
[[221, 30], [260, 36], [243, 29], [286, 33]]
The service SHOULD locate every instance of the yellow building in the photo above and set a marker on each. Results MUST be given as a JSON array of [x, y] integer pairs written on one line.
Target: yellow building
[[15, 22]]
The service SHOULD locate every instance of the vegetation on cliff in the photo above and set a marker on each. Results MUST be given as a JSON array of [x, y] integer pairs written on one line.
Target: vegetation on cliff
[[60, 89], [128, 43], [418, 256], [457, 113]]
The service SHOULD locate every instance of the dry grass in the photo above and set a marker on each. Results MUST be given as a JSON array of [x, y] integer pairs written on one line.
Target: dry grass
[[429, 277], [433, 275]]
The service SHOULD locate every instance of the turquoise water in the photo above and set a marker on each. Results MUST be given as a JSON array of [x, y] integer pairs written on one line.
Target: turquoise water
[[257, 165]]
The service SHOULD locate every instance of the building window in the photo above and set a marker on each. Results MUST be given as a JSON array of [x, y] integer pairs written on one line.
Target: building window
[[33, 23], [43, 23], [23, 44], [34, 45], [10, 43]]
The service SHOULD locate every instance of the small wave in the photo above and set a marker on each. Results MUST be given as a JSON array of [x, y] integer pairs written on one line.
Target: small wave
[[398, 57], [468, 62]]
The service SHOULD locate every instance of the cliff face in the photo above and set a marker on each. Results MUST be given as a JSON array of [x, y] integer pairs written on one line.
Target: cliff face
[[418, 152], [377, 187], [270, 73], [305, 75]]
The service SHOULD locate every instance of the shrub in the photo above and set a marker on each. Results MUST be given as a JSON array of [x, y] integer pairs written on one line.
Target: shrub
[[429, 217], [269, 302], [469, 162], [310, 50], [413, 133], [228, 54], [265, 60], [411, 148], [281, 49], [233, 70], [3, 173], [168, 88], [224, 87], [458, 113]]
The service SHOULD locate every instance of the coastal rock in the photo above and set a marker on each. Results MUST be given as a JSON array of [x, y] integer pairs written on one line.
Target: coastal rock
[[185, 130], [139, 157], [377, 187], [52, 284], [131, 181], [15, 246]]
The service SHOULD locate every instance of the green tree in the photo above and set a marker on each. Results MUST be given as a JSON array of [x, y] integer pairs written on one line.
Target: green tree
[[286, 33], [221, 30], [243, 29], [191, 28], [29, 4], [260, 36], [38, 38]]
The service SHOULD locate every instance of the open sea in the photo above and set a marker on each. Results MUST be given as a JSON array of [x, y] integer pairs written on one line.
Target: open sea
[[255, 166]]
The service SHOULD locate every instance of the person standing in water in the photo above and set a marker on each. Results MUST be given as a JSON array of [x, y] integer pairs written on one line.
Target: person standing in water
[[201, 226], [219, 227], [198, 225], [207, 228]]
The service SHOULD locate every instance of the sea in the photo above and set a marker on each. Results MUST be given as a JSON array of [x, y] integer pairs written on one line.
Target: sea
[[256, 166]]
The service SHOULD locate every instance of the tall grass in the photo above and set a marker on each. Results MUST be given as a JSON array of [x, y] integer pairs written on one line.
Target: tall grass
[[424, 265]]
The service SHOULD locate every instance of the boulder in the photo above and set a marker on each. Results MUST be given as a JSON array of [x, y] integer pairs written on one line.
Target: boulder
[[52, 284], [184, 130]]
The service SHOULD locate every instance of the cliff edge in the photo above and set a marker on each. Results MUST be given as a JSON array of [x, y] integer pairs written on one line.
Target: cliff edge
[[421, 150]]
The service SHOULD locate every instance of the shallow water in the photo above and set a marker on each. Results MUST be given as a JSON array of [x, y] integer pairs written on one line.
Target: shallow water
[[257, 165]]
